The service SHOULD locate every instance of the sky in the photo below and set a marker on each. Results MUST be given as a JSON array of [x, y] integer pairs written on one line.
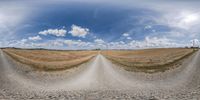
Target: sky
[[105, 24]]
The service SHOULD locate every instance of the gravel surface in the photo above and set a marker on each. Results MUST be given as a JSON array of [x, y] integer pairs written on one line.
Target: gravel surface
[[99, 79]]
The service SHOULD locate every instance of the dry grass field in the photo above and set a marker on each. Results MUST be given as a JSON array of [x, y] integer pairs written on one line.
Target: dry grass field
[[148, 60], [48, 60]]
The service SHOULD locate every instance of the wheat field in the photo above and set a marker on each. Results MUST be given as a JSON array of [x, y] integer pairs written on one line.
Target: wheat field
[[148, 60], [50, 60]]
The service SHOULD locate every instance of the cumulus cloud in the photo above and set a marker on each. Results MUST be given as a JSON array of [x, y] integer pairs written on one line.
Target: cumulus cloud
[[22, 41], [148, 27], [129, 38], [157, 42], [99, 41], [125, 34], [78, 31], [51, 44], [55, 32], [69, 42], [17, 43], [35, 38], [78, 44], [74, 42], [148, 42]]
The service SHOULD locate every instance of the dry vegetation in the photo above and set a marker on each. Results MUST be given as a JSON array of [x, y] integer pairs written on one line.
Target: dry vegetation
[[48, 60], [148, 60]]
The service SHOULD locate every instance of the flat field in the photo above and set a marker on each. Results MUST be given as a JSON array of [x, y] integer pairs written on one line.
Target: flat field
[[49, 60], [148, 60]]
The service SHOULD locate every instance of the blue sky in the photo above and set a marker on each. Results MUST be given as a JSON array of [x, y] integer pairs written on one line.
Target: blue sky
[[87, 24]]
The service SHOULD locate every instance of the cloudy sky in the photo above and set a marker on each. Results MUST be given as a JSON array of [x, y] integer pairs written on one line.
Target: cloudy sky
[[90, 24]]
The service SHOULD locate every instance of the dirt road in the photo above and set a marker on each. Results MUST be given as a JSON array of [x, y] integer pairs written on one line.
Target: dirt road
[[99, 79]]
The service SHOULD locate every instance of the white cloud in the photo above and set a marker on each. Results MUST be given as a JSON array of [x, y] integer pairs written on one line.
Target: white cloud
[[11, 18], [24, 40], [57, 43], [35, 38], [69, 42], [185, 19], [148, 42], [12, 14], [79, 31], [129, 38], [157, 42], [148, 27], [154, 31], [125, 34], [99, 41], [20, 43], [55, 32], [77, 43], [52, 44]]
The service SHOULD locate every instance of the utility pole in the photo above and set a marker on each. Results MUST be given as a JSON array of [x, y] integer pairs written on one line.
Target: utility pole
[[193, 44]]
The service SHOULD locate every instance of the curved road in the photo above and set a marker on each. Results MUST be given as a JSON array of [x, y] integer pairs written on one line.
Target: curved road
[[99, 79]]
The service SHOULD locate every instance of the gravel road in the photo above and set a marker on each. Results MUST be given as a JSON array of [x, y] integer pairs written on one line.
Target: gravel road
[[99, 79]]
